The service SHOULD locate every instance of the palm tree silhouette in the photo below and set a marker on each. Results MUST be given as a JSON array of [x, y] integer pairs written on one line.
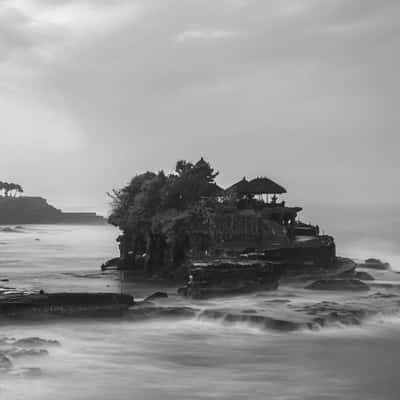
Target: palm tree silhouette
[[7, 188], [19, 189], [13, 188]]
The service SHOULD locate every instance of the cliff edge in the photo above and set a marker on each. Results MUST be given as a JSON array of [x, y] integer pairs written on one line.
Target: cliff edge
[[36, 210]]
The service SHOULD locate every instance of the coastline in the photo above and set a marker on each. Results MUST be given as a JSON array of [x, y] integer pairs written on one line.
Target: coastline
[[31, 210]]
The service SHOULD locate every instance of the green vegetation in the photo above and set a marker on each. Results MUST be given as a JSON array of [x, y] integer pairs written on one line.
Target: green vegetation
[[10, 189], [155, 210], [148, 195]]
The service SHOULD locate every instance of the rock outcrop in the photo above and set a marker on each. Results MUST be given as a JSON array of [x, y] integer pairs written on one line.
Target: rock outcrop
[[338, 284], [21, 305], [36, 210], [364, 276], [156, 295], [374, 263]]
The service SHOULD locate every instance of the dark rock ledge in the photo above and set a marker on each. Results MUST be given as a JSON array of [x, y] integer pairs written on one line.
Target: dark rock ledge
[[338, 285]]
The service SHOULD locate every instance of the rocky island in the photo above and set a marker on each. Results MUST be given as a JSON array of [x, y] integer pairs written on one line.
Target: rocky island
[[184, 227]]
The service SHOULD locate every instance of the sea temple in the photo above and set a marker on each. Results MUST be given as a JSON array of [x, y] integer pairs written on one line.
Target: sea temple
[[184, 222]]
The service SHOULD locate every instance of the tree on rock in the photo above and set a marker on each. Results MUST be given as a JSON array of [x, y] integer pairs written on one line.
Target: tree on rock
[[156, 210], [10, 189]]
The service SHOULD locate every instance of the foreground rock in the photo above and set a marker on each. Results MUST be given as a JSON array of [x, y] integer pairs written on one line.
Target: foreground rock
[[146, 312], [364, 276], [113, 263], [261, 321], [21, 305], [338, 284], [35, 342], [231, 276], [156, 295], [327, 313], [374, 263]]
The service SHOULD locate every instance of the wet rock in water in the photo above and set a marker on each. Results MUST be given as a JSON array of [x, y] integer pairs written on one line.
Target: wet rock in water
[[338, 284], [249, 311], [64, 304], [144, 313], [156, 295], [143, 303], [374, 263], [380, 295], [335, 318], [113, 263], [9, 230], [5, 362], [35, 342], [15, 229], [328, 313], [364, 276], [176, 312], [15, 352], [261, 321], [277, 301], [4, 280]]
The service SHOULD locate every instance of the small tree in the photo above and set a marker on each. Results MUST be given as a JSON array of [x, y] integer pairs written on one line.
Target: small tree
[[159, 211], [18, 190], [10, 188], [192, 182], [6, 187], [13, 188]]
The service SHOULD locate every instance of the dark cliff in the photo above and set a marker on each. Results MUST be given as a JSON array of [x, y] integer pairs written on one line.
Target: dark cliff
[[36, 210]]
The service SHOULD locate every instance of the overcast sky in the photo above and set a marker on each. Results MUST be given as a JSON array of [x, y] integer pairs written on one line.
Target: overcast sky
[[306, 92]]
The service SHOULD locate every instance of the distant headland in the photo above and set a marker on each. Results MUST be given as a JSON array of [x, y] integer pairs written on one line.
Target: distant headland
[[18, 209]]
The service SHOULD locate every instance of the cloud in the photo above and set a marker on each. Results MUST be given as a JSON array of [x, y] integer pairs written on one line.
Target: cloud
[[143, 82], [33, 126], [13, 33], [205, 35], [43, 29]]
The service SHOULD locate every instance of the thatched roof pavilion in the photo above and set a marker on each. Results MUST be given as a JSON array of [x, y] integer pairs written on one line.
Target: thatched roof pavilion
[[264, 186], [256, 186], [241, 188]]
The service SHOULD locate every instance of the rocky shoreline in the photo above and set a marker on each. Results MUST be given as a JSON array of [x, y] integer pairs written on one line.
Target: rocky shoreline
[[290, 310], [334, 300]]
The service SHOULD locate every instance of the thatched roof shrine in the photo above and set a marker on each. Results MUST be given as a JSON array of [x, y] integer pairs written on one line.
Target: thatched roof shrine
[[241, 187], [265, 186], [256, 186]]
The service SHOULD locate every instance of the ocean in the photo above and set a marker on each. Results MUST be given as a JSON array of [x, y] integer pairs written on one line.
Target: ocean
[[193, 356]]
